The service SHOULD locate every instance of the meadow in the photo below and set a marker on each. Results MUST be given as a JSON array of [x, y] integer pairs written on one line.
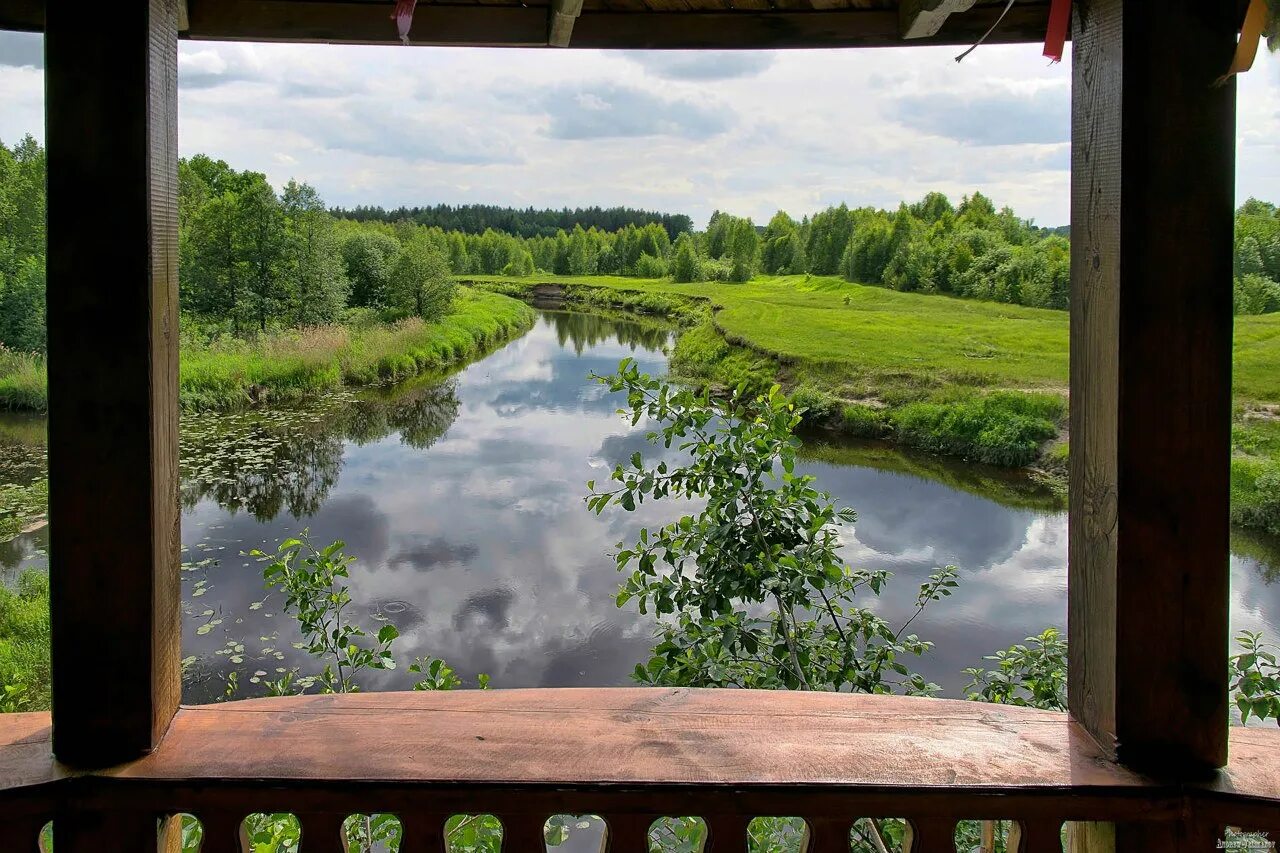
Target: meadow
[[982, 381]]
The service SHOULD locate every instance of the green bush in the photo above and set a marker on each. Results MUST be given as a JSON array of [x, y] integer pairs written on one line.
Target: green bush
[[1254, 293], [818, 406], [1002, 428], [650, 267], [863, 421], [716, 269], [1255, 493]]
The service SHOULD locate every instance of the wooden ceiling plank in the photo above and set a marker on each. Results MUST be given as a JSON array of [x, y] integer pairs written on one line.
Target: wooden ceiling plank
[[561, 16], [604, 25], [22, 15], [923, 18]]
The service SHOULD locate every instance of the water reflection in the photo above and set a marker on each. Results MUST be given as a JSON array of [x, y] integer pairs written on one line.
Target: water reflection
[[462, 499], [271, 462]]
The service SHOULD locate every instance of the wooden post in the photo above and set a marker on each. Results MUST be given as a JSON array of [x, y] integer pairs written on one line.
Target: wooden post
[[111, 94], [1152, 197]]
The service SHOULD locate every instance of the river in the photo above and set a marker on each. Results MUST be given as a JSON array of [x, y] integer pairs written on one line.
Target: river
[[462, 499]]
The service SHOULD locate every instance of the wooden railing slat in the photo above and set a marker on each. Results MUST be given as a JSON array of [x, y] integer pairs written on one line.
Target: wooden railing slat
[[1036, 836], [223, 832], [523, 833], [422, 832], [827, 835], [627, 833], [93, 831], [21, 835], [930, 835], [726, 833], [322, 832]]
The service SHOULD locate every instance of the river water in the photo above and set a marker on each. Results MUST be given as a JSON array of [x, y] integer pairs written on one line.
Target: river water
[[462, 499]]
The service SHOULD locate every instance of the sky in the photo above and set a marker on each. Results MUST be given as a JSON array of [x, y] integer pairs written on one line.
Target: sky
[[681, 132]]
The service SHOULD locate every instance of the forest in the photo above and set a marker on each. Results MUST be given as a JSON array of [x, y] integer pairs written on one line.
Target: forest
[[254, 260], [527, 222]]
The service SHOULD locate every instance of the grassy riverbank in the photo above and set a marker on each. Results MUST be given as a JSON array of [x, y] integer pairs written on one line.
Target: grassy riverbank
[[24, 643], [976, 380], [295, 364]]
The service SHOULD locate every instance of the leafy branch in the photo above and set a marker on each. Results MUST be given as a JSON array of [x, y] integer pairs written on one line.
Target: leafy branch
[[750, 591]]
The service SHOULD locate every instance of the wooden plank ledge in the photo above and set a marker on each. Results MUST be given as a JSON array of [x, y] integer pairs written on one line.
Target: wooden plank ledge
[[641, 749]]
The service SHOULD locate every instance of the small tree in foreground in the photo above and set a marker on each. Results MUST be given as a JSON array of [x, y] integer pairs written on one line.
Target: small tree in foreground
[[750, 591]]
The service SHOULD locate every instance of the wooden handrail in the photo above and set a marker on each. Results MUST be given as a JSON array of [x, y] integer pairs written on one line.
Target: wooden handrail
[[632, 755]]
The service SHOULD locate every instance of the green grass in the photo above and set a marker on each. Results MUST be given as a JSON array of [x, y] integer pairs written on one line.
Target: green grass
[[880, 339], [22, 381], [1255, 473], [981, 381], [295, 364], [24, 643]]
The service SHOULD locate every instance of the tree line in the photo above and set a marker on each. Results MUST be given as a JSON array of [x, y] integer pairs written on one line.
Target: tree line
[[527, 222], [252, 259], [22, 252]]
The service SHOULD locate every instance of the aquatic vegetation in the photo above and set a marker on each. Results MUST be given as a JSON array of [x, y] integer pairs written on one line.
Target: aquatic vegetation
[[22, 508]]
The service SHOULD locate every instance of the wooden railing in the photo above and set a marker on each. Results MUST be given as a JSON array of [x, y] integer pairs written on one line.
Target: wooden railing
[[629, 755]]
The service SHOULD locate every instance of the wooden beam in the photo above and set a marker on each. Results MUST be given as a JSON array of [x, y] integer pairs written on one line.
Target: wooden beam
[[923, 18], [561, 16], [1153, 165], [111, 111], [22, 15], [520, 26]]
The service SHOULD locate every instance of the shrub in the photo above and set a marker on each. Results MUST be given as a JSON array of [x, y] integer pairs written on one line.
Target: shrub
[[818, 406], [686, 266], [749, 591], [1003, 428], [647, 266], [717, 270], [1256, 294], [1255, 493], [863, 421]]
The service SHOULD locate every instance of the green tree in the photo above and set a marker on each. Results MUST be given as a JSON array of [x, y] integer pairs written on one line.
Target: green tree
[[22, 301], [212, 278], [934, 207], [521, 263], [260, 228], [741, 247], [315, 281], [27, 194], [868, 250], [686, 266], [829, 235], [1248, 257], [580, 258], [779, 245], [459, 259], [368, 257], [420, 280]]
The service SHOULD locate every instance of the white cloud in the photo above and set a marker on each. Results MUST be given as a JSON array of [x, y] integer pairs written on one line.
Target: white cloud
[[680, 131]]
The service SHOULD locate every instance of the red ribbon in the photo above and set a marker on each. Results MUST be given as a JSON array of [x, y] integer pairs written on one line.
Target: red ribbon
[[1056, 38], [403, 16]]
